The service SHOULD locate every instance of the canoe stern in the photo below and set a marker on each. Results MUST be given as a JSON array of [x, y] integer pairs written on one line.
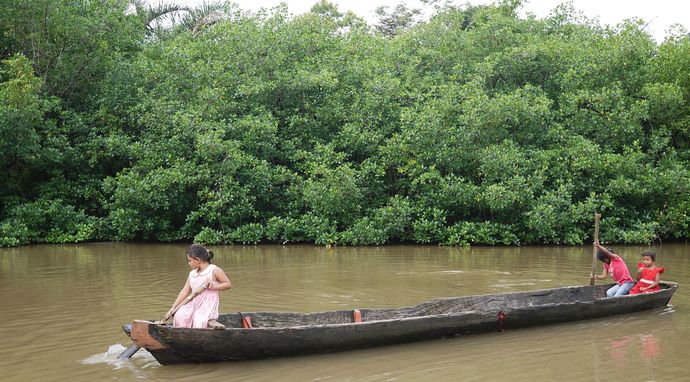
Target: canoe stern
[[141, 334]]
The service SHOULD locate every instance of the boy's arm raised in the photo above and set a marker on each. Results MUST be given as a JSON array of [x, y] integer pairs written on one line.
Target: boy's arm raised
[[605, 250]]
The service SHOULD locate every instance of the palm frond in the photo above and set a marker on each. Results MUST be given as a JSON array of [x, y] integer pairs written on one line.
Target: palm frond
[[156, 16], [203, 16]]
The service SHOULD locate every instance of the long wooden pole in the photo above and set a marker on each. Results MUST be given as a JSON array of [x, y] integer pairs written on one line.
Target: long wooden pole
[[594, 250], [189, 298]]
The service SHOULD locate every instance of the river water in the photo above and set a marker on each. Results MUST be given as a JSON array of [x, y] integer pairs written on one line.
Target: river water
[[62, 306]]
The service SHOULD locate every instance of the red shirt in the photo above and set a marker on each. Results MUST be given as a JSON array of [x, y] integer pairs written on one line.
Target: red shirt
[[618, 270]]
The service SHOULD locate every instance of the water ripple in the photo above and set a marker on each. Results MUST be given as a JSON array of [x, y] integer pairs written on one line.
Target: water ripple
[[63, 307]]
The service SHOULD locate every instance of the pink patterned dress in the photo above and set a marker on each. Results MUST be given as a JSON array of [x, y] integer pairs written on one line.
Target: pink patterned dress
[[204, 307]]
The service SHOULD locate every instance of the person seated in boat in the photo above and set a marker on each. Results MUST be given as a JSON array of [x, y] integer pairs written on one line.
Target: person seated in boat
[[614, 266], [648, 274], [202, 310]]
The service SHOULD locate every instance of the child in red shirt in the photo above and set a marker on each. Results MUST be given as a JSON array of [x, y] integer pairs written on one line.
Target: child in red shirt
[[615, 266], [648, 275]]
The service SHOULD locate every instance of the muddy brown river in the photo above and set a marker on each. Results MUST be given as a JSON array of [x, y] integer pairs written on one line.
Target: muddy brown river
[[62, 306]]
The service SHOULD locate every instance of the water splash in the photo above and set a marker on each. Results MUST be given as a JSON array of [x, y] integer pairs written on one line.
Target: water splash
[[108, 357], [139, 361]]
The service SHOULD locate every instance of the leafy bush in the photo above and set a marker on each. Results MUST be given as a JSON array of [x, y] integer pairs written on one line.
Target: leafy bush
[[47, 221], [430, 227], [477, 126], [251, 233], [364, 232], [209, 236], [467, 233]]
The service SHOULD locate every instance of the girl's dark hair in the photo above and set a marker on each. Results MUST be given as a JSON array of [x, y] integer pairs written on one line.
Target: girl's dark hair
[[200, 252], [602, 256], [651, 254]]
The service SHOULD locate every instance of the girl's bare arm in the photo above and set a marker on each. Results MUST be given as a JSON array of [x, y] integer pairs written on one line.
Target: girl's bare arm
[[605, 250], [222, 281], [602, 275]]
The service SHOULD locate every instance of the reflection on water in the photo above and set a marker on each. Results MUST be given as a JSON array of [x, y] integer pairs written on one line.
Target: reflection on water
[[619, 348], [651, 346], [62, 307], [622, 350]]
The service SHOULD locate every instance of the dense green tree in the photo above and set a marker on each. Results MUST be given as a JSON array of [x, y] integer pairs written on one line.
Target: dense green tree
[[397, 20], [476, 126]]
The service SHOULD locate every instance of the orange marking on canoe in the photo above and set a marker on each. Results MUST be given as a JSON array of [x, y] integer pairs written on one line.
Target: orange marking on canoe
[[246, 322], [357, 316], [140, 335]]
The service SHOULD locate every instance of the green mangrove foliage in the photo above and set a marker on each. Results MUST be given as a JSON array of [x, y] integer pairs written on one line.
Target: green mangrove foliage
[[477, 126]]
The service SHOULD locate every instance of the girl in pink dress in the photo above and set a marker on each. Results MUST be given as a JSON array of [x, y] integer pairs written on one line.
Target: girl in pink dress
[[204, 307], [648, 275]]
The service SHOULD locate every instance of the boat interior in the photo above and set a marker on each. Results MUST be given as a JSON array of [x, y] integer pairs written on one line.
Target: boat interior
[[451, 305]]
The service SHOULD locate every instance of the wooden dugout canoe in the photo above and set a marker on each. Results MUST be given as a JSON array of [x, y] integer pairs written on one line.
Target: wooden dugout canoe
[[276, 334]]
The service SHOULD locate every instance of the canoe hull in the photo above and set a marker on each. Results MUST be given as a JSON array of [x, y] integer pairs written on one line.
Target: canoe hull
[[433, 319]]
